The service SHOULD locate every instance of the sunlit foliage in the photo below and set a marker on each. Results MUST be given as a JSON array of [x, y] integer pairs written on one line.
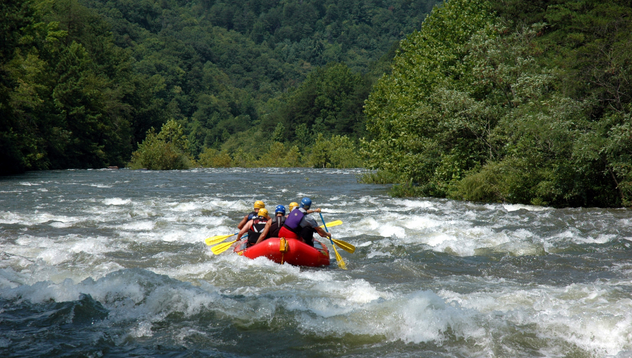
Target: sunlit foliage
[[166, 150], [511, 102]]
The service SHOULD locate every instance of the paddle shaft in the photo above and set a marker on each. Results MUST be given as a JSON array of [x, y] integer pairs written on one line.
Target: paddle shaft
[[341, 263]]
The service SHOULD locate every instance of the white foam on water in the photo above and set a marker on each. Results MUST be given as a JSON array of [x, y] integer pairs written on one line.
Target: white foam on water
[[356, 291], [7, 217], [101, 186], [326, 303], [69, 256], [516, 207], [25, 183], [423, 223], [414, 318], [186, 207], [414, 204], [390, 230], [378, 253], [143, 329], [36, 217], [60, 225], [594, 317], [35, 248], [599, 239], [144, 225], [117, 201]]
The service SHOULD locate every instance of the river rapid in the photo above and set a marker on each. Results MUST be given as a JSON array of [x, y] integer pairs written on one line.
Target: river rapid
[[112, 263]]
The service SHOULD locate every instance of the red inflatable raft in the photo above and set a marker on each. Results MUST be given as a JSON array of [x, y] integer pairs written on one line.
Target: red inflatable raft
[[292, 251]]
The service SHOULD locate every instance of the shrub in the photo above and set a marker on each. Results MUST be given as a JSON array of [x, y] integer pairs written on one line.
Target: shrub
[[335, 152], [212, 158], [166, 150]]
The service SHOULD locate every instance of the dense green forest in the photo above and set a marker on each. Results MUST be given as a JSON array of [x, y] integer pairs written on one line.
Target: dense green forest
[[505, 101], [510, 101], [83, 81]]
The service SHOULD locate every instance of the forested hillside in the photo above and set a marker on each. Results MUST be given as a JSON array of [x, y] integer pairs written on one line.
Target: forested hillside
[[510, 101], [84, 80], [69, 97]]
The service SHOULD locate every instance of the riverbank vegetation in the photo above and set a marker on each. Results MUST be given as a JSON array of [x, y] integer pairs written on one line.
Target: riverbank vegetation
[[510, 101], [505, 101]]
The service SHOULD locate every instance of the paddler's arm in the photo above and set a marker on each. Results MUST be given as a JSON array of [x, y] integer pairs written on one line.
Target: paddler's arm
[[242, 222], [244, 230], [317, 210], [322, 232], [265, 232]]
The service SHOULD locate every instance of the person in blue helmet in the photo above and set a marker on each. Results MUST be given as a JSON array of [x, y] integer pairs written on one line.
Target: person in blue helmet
[[274, 225], [294, 205], [300, 225]]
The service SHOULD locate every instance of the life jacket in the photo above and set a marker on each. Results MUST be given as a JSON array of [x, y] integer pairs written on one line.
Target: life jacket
[[294, 219], [307, 234], [277, 224], [251, 216], [258, 224]]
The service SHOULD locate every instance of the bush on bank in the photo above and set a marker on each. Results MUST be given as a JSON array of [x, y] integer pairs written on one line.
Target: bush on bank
[[166, 150], [169, 150]]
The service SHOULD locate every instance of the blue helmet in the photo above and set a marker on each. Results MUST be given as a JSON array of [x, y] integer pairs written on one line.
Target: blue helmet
[[280, 209], [306, 203]]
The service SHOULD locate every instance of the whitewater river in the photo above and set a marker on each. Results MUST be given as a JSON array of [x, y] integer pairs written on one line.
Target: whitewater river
[[112, 263]]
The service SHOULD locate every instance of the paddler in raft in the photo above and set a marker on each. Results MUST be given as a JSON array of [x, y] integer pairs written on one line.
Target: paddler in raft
[[300, 225], [294, 205], [258, 205], [255, 227], [273, 226]]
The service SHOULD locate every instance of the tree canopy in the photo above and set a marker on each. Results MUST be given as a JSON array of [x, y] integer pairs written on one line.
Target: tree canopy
[[83, 81], [510, 102]]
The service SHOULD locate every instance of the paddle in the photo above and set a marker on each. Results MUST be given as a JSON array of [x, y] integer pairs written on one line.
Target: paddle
[[217, 239], [333, 223], [218, 249], [341, 263], [345, 245], [225, 246]]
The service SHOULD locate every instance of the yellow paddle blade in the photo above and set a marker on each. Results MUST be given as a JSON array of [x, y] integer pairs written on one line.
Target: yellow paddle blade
[[344, 245], [217, 239], [222, 247], [333, 223], [341, 263]]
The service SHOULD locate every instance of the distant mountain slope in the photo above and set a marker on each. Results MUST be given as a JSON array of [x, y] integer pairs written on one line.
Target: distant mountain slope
[[221, 62]]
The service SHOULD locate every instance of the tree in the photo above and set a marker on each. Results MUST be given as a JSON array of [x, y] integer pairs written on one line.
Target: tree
[[483, 106], [166, 150]]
